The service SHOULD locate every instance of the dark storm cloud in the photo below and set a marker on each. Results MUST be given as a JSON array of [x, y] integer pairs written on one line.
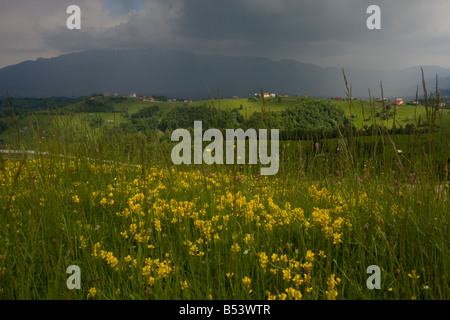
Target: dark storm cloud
[[277, 29], [320, 31], [323, 32], [215, 24], [279, 21]]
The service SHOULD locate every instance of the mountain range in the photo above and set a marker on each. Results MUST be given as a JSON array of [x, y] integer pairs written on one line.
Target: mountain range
[[155, 71]]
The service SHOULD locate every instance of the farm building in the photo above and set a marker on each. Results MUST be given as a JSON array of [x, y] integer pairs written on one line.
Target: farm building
[[399, 101]]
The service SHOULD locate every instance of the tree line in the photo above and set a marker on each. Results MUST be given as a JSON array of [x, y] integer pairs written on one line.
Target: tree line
[[315, 117]]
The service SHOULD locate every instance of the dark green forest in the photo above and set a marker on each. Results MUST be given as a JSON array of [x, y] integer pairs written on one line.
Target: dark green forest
[[313, 117]]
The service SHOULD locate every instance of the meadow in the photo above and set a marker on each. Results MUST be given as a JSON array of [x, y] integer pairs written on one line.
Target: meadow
[[363, 111], [140, 227]]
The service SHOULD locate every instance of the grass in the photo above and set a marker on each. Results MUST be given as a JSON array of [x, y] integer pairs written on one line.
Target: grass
[[141, 228], [362, 112], [133, 231]]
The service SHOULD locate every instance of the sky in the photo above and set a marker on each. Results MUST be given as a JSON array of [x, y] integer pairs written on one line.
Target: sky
[[327, 33]]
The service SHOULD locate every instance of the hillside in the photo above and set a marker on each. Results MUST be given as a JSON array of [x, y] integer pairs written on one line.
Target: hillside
[[132, 115]]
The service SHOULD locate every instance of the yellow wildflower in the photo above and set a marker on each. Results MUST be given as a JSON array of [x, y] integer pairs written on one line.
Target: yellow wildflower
[[92, 292], [413, 275], [282, 296], [271, 296], [184, 285], [157, 225], [287, 275], [297, 280], [247, 282], [96, 247], [293, 293], [263, 259], [331, 293], [235, 248], [309, 256], [82, 242]]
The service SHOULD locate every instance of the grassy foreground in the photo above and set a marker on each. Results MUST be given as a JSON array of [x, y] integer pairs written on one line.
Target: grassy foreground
[[139, 227], [157, 232]]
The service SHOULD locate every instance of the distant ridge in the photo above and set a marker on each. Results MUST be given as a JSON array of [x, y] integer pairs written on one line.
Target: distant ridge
[[183, 74]]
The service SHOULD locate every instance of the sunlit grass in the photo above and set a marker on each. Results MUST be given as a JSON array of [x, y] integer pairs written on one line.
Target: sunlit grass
[[141, 228]]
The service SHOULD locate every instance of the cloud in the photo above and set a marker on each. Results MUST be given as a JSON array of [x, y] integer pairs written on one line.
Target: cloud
[[122, 7], [27, 27], [292, 20], [150, 25], [328, 33]]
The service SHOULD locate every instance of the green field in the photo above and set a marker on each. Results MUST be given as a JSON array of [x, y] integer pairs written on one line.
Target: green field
[[363, 111]]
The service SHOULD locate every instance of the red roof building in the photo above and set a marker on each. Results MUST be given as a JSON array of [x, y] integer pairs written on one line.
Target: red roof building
[[399, 101]]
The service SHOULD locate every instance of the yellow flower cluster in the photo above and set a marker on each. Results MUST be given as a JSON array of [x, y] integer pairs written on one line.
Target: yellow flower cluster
[[335, 217], [105, 255], [331, 292], [92, 292], [235, 248], [154, 269], [184, 285], [296, 274], [289, 294], [194, 249], [246, 281], [200, 219]]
